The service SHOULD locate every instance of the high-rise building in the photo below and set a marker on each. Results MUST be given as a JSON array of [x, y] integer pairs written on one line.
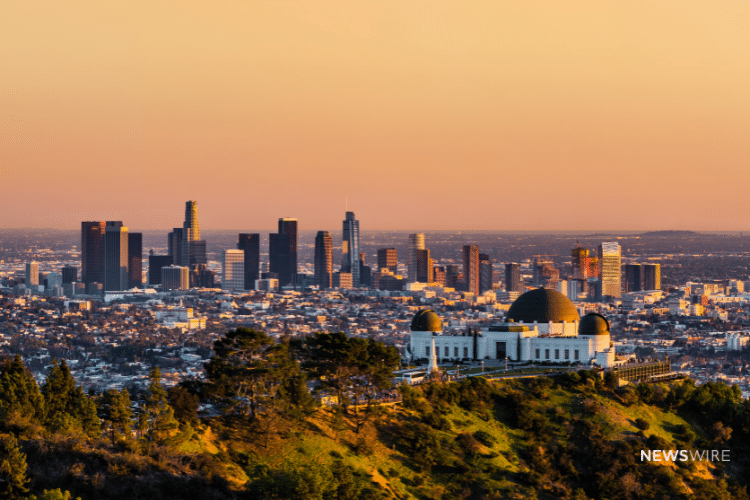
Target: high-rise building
[[513, 281], [545, 273], [92, 251], [610, 272], [175, 278], [234, 270], [289, 227], [633, 277], [416, 242], [174, 244], [250, 244], [388, 259], [115, 257], [155, 263], [190, 232], [32, 274], [279, 257], [135, 260], [341, 280], [651, 276], [323, 259], [69, 274], [438, 274], [485, 273], [365, 272], [350, 248], [471, 268], [424, 267]]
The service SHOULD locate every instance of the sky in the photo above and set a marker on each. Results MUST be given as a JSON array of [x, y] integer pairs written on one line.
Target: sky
[[416, 115]]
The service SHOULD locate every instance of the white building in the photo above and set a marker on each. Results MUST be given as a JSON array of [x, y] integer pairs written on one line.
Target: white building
[[234, 270], [737, 341], [541, 325]]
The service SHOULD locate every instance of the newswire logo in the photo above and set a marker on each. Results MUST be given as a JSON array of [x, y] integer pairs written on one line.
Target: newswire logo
[[684, 455]]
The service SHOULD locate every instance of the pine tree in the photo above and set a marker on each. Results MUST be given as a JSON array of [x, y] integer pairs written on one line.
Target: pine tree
[[19, 392], [116, 411], [12, 468], [162, 422], [58, 390]]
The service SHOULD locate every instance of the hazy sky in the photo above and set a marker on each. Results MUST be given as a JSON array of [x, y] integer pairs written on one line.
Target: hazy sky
[[499, 114]]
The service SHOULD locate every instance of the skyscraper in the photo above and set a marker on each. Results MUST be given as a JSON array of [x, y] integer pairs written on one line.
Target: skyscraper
[[116, 257], [471, 268], [485, 273], [32, 274], [388, 259], [651, 276], [175, 278], [289, 227], [279, 257], [155, 263], [234, 270], [92, 252], [135, 260], [633, 278], [174, 244], [416, 242], [193, 247], [513, 278], [424, 267], [323, 259], [69, 274], [609, 261], [250, 244], [350, 248]]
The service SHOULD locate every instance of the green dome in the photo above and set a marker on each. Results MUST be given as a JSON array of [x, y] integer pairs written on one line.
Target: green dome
[[426, 321], [593, 324], [542, 305]]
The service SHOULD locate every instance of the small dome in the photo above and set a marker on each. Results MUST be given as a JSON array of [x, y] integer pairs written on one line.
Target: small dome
[[426, 321], [542, 305], [593, 324]]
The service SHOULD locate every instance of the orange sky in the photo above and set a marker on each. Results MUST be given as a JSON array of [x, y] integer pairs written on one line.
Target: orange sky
[[497, 114]]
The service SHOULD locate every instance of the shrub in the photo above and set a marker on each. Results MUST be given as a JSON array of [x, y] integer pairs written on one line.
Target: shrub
[[642, 424]]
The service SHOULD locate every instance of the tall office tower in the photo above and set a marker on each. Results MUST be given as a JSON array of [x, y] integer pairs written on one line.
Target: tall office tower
[[633, 278], [279, 257], [350, 248], [92, 252], [32, 274], [581, 263], [513, 281], [250, 244], [193, 248], [54, 280], [471, 269], [115, 257], [234, 270], [424, 267], [365, 272], [289, 227], [155, 263], [651, 276], [174, 243], [135, 260], [609, 274], [416, 242], [388, 259], [175, 278], [323, 259], [69, 274], [485, 273]]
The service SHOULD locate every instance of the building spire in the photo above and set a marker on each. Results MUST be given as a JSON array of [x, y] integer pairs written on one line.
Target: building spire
[[433, 368]]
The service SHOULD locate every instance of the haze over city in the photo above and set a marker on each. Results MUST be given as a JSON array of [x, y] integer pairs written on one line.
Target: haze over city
[[426, 115]]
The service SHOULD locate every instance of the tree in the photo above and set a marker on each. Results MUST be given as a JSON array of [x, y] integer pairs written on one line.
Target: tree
[[184, 403], [161, 416], [59, 390], [19, 392], [117, 413], [357, 367], [12, 468], [247, 370]]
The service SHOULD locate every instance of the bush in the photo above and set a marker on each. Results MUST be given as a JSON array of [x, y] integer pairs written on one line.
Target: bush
[[642, 424], [485, 438]]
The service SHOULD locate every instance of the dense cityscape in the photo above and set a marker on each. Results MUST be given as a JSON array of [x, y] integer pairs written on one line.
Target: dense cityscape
[[113, 313]]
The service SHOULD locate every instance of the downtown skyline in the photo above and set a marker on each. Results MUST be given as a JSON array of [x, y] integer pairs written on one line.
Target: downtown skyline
[[580, 116]]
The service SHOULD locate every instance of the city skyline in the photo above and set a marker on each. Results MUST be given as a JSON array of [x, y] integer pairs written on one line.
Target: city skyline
[[525, 105]]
